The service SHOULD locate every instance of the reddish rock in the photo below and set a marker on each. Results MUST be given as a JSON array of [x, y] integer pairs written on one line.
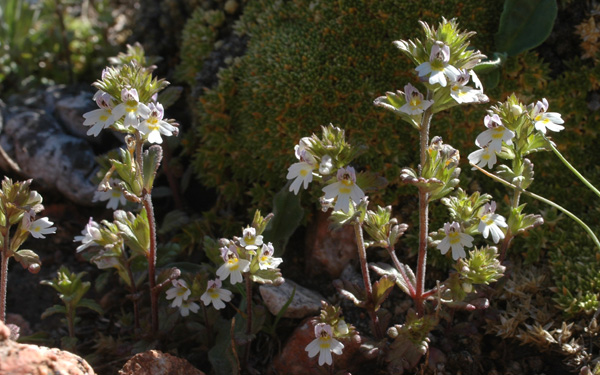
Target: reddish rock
[[329, 251], [22, 359], [155, 362], [294, 360]]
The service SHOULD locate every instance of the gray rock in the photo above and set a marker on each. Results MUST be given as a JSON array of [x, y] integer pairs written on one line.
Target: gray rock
[[56, 160], [69, 111], [305, 303]]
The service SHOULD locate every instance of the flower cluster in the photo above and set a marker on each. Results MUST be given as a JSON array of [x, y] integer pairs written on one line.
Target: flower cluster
[[319, 158], [133, 114], [510, 121]]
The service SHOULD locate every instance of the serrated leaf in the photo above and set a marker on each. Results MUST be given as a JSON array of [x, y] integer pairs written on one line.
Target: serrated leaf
[[351, 291], [383, 269], [525, 25], [382, 289], [27, 258], [152, 158], [527, 173], [90, 304], [288, 214]]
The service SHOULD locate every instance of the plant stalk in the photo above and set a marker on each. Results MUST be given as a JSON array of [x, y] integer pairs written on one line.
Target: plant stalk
[[423, 211], [544, 200], [147, 201], [4, 274], [409, 284], [248, 317], [362, 257]]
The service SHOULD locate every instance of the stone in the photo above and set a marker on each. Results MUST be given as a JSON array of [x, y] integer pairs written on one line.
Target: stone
[[23, 359], [329, 251], [55, 160], [69, 111], [305, 303], [155, 362], [294, 359]]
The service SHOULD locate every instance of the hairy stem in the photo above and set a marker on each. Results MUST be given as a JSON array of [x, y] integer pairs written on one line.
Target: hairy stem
[[423, 212], [4, 274], [362, 257], [248, 316], [147, 200]]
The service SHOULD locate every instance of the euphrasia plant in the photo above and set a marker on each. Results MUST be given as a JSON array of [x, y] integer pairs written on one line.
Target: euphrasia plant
[[128, 103], [444, 65], [19, 206]]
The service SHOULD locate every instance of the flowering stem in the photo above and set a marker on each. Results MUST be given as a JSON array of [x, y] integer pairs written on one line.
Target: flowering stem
[[423, 211], [362, 256], [147, 201], [575, 171], [4, 274], [542, 199]]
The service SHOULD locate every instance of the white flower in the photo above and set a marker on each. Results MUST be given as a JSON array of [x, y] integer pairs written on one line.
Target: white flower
[[546, 120], [456, 240], [483, 156], [265, 257], [38, 227], [179, 293], [301, 173], [250, 241], [101, 118], [187, 306], [90, 234], [491, 222], [326, 166], [324, 344], [495, 134], [153, 126], [344, 189], [233, 266], [131, 108], [462, 93], [437, 68], [216, 295], [114, 196], [415, 104]]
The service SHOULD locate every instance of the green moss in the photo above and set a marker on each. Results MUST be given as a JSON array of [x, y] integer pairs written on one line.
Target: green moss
[[311, 63]]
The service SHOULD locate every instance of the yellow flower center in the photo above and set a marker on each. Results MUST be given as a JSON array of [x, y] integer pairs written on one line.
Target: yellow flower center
[[454, 237]]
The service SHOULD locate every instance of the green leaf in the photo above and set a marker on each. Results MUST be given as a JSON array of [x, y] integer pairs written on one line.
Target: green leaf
[[270, 276], [56, 309], [352, 292], [169, 96], [382, 289], [174, 220], [288, 214], [27, 258], [525, 25], [384, 269], [152, 159], [90, 304]]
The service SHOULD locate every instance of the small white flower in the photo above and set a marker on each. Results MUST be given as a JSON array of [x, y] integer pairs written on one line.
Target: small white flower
[[415, 104], [90, 234], [38, 227], [326, 166], [495, 134], [114, 196], [324, 344], [131, 108], [101, 118], [187, 306], [179, 293], [491, 222], [464, 94], [153, 126], [456, 240], [216, 295], [546, 120], [483, 156], [344, 189], [265, 257], [301, 173], [437, 68], [250, 241], [233, 266]]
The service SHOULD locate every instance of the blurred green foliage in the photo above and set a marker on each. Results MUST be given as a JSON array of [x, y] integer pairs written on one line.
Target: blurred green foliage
[[48, 41]]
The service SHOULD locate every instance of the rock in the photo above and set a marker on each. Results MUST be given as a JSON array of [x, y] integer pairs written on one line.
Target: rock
[[154, 362], [329, 251], [306, 302], [23, 359], [52, 158], [294, 360], [69, 111]]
